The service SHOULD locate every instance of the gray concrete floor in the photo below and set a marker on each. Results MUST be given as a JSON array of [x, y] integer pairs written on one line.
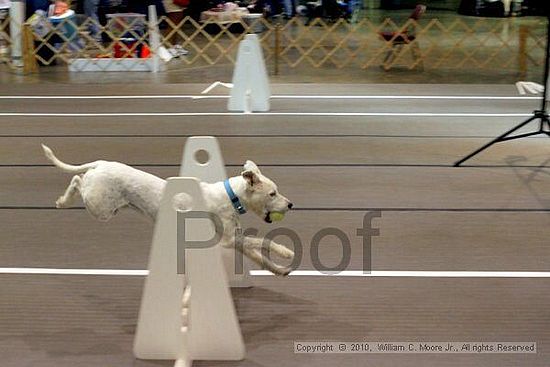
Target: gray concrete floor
[[224, 72], [492, 215]]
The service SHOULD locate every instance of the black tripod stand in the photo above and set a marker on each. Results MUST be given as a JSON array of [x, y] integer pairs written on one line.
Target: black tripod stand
[[539, 115]]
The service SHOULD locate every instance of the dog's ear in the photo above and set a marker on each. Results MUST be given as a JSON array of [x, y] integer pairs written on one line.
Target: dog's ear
[[251, 177], [251, 166]]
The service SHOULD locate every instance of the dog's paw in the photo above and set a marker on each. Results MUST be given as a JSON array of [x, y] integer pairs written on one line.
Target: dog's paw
[[60, 203], [282, 271]]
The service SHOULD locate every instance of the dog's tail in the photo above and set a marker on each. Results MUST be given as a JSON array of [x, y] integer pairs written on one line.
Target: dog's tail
[[64, 166]]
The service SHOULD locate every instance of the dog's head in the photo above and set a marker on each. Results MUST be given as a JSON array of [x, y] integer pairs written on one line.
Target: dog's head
[[262, 196]]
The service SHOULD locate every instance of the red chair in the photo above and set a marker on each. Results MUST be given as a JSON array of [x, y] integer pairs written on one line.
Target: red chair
[[405, 37]]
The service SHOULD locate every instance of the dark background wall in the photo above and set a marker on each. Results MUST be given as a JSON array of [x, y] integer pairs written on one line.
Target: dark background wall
[[530, 7], [432, 4]]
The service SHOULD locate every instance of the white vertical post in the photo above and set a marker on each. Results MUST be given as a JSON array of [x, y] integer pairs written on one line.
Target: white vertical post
[[17, 18], [213, 170], [158, 333], [198, 323], [154, 38], [250, 82]]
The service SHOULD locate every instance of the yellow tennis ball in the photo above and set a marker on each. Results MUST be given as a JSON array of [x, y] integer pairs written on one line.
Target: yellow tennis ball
[[276, 216]]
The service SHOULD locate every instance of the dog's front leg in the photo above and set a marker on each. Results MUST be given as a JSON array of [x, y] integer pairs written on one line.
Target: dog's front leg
[[251, 248], [271, 246], [266, 263]]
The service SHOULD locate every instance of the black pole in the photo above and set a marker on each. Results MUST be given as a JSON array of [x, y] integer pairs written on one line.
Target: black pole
[[542, 115], [546, 64]]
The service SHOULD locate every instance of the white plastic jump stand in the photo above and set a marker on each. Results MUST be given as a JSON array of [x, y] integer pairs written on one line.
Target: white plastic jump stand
[[199, 323], [202, 159], [250, 90], [154, 39]]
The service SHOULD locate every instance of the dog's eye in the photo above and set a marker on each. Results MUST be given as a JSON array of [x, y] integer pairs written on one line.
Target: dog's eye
[[272, 194]]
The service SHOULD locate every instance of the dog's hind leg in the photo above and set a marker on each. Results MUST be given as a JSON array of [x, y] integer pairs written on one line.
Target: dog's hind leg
[[67, 198]]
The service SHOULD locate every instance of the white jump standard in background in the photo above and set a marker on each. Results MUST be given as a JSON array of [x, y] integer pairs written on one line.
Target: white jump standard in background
[[250, 90]]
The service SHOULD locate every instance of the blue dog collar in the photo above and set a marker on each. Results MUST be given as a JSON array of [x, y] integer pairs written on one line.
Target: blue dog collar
[[234, 198]]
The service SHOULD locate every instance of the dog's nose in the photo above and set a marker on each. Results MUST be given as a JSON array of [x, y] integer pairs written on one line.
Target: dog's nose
[[290, 205]]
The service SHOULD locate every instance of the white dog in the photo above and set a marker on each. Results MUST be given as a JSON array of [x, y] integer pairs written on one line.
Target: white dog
[[106, 187]]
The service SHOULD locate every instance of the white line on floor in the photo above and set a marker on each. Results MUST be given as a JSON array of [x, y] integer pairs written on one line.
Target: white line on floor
[[282, 96], [145, 114], [345, 273], [417, 274], [52, 271]]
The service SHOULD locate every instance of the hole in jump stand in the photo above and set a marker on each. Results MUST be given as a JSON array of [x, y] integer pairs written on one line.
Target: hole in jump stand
[[202, 157]]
